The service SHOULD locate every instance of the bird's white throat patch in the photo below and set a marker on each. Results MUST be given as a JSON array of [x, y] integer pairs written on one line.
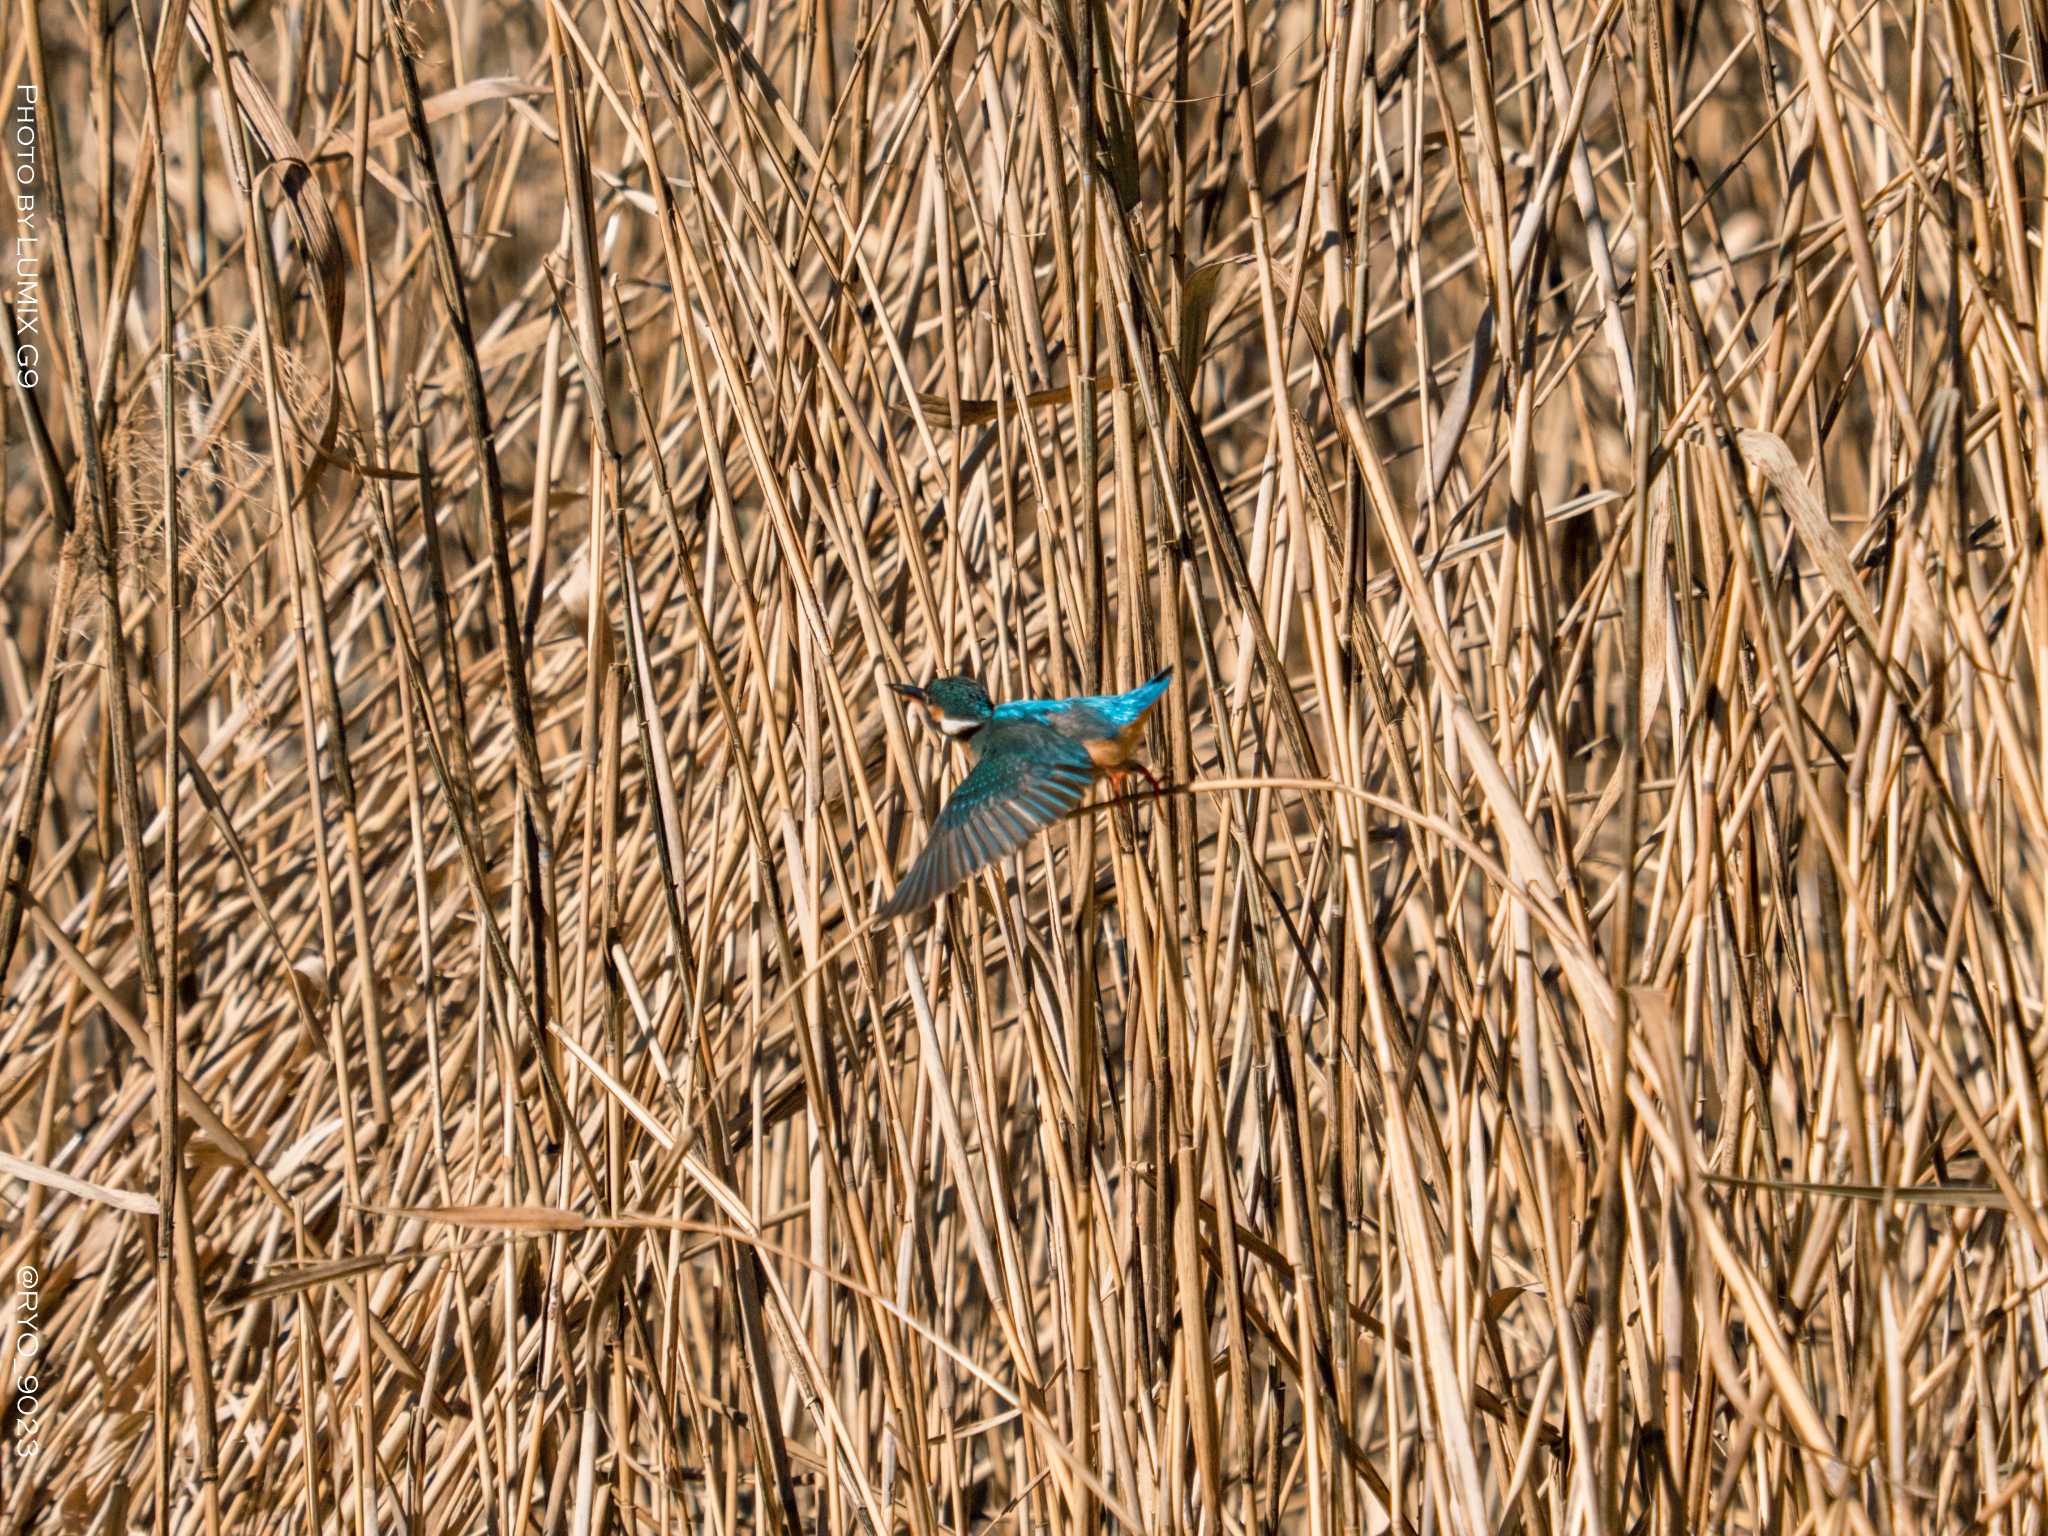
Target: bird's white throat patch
[[956, 727]]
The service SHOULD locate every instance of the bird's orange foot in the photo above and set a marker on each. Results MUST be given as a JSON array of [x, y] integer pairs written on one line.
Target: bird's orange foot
[[1119, 776]]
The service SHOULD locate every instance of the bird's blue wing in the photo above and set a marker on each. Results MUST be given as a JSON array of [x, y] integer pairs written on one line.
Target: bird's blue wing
[[1028, 776]]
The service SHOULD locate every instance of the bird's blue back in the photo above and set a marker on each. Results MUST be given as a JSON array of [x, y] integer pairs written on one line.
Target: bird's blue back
[[1090, 716]]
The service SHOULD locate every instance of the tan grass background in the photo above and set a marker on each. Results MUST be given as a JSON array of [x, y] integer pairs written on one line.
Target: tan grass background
[[1564, 1057]]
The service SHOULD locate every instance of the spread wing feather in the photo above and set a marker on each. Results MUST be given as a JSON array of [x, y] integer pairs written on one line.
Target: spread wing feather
[[1027, 778]]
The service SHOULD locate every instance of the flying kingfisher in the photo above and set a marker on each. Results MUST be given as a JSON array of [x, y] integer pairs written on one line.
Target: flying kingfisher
[[1033, 761]]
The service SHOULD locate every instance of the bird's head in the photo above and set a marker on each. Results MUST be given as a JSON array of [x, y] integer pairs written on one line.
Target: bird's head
[[956, 706]]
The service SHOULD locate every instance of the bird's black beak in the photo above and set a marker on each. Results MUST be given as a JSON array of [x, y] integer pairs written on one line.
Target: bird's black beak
[[909, 691]]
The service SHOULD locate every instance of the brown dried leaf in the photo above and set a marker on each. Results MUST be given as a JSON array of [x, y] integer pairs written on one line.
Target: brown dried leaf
[[1768, 455]]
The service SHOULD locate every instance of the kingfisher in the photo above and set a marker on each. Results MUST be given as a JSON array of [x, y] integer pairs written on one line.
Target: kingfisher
[[1034, 760]]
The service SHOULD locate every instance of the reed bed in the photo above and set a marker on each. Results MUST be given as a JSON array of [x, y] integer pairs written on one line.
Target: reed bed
[[1563, 1054]]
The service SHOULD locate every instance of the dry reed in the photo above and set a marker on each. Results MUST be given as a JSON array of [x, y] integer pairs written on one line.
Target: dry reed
[[1561, 1057]]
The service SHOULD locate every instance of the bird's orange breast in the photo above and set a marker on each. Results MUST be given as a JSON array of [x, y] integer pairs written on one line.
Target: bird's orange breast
[[1115, 751]]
